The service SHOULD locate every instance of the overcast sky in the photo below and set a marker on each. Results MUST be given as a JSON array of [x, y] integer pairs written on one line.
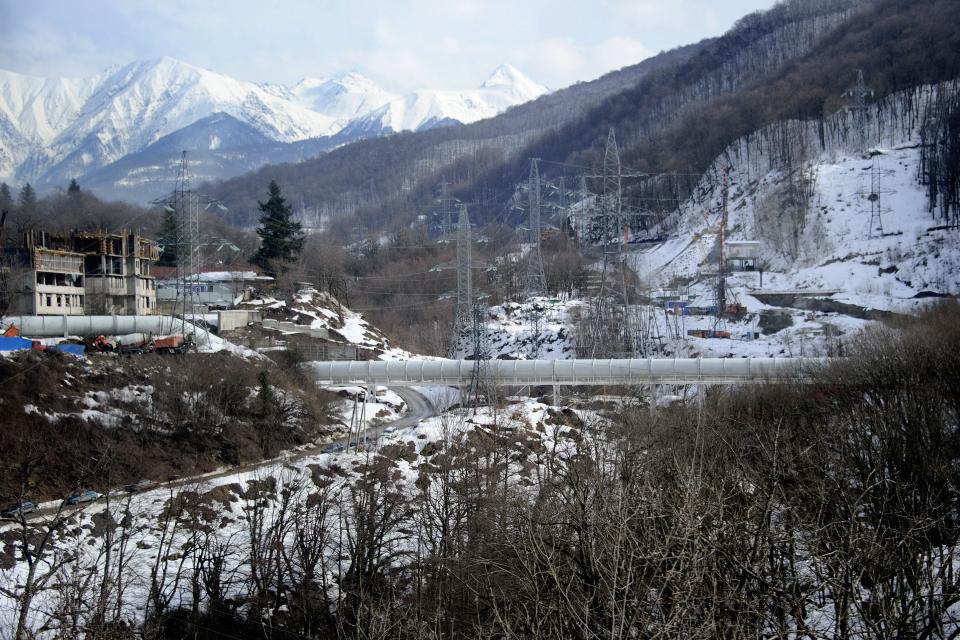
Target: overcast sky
[[403, 45]]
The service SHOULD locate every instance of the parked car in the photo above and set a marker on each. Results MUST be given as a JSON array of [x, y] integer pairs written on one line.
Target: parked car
[[84, 495], [15, 510]]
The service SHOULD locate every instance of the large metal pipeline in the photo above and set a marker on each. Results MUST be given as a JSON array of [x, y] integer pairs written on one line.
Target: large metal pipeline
[[53, 326], [568, 372]]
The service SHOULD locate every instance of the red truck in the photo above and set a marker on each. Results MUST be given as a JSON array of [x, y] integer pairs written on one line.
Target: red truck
[[171, 344]]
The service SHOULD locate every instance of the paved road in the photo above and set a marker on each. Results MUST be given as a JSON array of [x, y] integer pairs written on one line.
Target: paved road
[[418, 408]]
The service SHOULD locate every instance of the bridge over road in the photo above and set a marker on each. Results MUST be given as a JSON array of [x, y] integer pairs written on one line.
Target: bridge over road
[[555, 373]]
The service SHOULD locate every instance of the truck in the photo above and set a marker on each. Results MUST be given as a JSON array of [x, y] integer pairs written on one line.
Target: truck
[[171, 344], [137, 343]]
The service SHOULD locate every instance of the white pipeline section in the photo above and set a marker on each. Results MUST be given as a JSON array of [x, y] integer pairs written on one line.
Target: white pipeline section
[[63, 326], [517, 373]]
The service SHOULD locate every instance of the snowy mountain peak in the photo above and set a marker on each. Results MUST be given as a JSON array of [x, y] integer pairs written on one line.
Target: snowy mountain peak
[[52, 129], [343, 96], [506, 76]]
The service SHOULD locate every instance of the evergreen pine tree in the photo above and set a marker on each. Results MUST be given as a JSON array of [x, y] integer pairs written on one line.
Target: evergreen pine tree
[[167, 239], [6, 199], [281, 237], [74, 187], [27, 200]]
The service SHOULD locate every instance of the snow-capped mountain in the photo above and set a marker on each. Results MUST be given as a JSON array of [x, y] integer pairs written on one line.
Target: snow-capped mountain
[[54, 129], [345, 96], [34, 110], [425, 109], [72, 127]]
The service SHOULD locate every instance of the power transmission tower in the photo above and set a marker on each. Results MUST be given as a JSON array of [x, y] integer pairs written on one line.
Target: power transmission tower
[[446, 215], [859, 93], [613, 237], [874, 196], [536, 282], [185, 205], [463, 318], [480, 357], [721, 266]]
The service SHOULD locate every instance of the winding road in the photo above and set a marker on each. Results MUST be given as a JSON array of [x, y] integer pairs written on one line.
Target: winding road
[[418, 408]]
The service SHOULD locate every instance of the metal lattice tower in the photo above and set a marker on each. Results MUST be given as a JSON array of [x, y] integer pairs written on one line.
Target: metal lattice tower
[[875, 196], [463, 319], [859, 93], [613, 230], [185, 205], [446, 221], [536, 282]]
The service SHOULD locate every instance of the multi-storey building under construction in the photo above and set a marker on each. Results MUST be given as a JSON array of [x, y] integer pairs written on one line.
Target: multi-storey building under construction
[[117, 270], [90, 273]]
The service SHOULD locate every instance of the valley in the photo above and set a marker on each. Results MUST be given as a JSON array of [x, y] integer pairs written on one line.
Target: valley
[[665, 353]]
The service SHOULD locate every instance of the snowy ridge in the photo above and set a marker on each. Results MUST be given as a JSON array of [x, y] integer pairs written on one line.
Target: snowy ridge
[[53, 129], [345, 96], [424, 109]]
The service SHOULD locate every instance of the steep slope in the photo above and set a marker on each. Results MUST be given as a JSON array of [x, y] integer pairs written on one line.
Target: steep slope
[[794, 60], [370, 172], [843, 227], [806, 192], [219, 146], [55, 129], [145, 101], [34, 110]]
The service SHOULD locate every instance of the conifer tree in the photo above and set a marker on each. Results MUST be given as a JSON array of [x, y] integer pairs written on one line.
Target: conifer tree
[[6, 199], [280, 235], [74, 187], [27, 200], [168, 239]]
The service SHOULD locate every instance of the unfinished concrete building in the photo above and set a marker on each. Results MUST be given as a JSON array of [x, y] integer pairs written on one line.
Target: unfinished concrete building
[[117, 269], [44, 276]]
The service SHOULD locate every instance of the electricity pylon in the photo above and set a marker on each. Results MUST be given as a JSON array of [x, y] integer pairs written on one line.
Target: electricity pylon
[[463, 319], [536, 282], [185, 206]]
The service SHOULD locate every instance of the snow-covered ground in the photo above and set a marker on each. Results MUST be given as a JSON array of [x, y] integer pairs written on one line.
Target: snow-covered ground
[[851, 265], [384, 406], [319, 310], [223, 504], [838, 250], [538, 329]]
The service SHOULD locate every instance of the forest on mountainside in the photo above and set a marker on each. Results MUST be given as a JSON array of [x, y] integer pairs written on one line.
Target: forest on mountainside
[[793, 61]]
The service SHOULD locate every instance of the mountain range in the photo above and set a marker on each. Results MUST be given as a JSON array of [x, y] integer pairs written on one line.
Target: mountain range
[[120, 131]]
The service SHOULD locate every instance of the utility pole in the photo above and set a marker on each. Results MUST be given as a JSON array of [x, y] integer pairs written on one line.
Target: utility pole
[[464, 314], [536, 282], [480, 355]]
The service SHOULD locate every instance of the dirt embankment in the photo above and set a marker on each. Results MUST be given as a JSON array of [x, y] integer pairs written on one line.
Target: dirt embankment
[[110, 421]]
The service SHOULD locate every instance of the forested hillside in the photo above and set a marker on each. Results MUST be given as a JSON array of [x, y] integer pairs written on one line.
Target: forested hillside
[[674, 112], [372, 173]]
